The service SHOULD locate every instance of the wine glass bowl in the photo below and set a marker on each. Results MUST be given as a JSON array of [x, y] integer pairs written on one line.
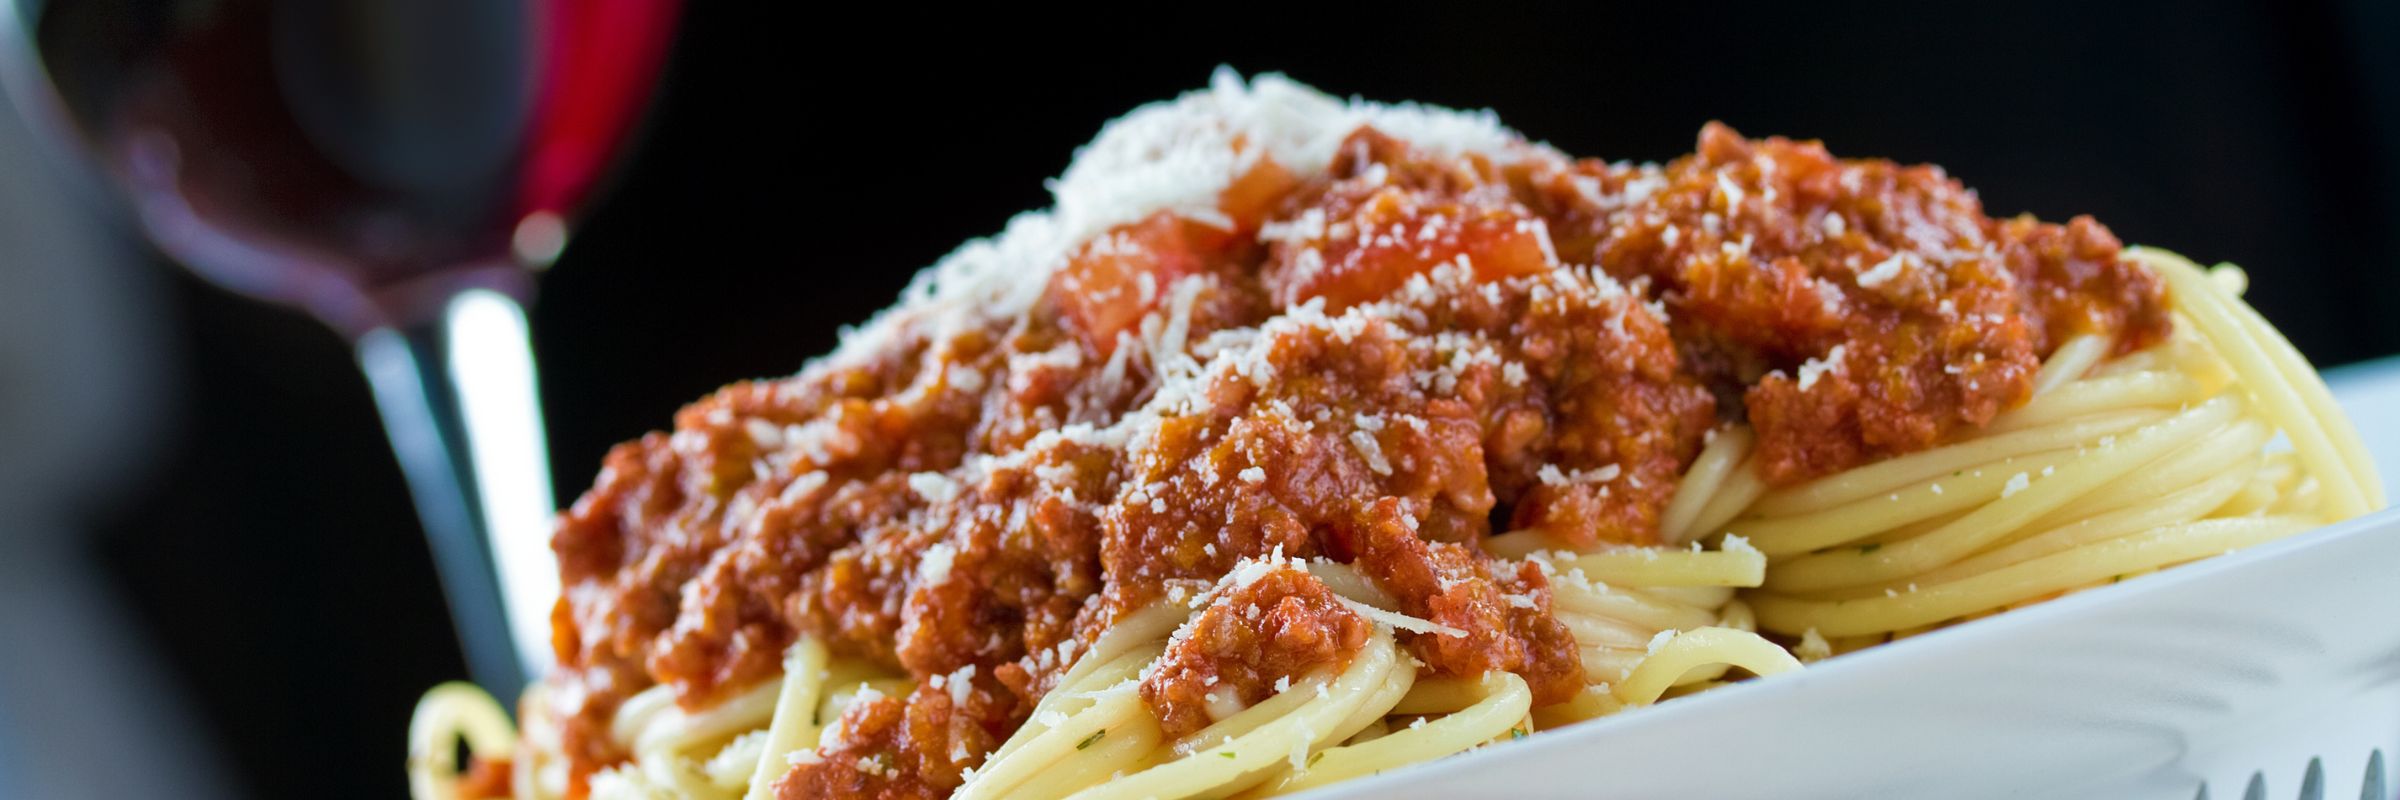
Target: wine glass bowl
[[398, 168], [362, 159]]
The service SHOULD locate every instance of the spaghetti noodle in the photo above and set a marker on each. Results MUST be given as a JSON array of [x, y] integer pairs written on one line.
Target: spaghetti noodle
[[1305, 440]]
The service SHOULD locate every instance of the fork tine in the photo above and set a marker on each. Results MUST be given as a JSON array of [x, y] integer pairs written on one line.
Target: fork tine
[[2312, 782]]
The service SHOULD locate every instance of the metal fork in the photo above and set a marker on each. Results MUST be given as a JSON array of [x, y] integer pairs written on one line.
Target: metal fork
[[2312, 783]]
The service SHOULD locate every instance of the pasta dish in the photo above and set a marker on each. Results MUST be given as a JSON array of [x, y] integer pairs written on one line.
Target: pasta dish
[[1305, 439]]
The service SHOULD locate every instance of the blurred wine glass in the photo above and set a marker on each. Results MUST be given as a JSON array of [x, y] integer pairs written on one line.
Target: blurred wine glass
[[398, 168]]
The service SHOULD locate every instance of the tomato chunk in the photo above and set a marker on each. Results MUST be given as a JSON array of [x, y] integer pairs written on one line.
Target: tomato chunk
[[1250, 198], [1393, 213], [1392, 238], [1112, 281]]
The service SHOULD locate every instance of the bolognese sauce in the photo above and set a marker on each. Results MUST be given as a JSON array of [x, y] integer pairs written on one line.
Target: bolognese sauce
[[1381, 363]]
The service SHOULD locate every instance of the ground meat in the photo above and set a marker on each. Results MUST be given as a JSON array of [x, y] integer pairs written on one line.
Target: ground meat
[[905, 747], [1253, 641], [1504, 618], [1869, 308], [1376, 364], [872, 762], [2076, 283]]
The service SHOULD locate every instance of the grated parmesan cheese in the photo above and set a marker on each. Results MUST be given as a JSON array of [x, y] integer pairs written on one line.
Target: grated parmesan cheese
[[1884, 271], [934, 568], [1370, 450], [933, 486], [1399, 621], [1832, 362], [1551, 475], [961, 683]]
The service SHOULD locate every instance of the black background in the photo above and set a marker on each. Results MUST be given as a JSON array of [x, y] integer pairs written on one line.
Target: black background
[[800, 166]]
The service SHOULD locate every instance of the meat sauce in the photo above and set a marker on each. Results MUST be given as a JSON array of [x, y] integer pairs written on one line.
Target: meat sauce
[[1382, 365], [1237, 652]]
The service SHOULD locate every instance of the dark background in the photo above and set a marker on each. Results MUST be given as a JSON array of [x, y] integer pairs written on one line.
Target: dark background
[[799, 169]]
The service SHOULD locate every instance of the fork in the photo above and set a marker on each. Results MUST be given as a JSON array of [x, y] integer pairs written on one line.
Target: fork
[[2312, 782]]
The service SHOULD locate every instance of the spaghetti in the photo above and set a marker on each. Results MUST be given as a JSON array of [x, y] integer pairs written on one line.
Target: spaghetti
[[2116, 468], [1305, 440]]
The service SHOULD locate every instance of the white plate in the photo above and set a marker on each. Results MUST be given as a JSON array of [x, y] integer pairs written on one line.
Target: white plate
[[2208, 672]]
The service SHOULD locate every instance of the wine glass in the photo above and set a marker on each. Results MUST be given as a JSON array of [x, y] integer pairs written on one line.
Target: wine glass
[[398, 168]]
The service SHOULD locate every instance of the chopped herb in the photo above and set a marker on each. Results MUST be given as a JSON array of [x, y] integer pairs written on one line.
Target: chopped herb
[[1088, 740], [2115, 578], [1225, 754], [1869, 547], [1958, 473], [1516, 733]]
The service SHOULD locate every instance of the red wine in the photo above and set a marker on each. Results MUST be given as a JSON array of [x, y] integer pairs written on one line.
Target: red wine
[[364, 159]]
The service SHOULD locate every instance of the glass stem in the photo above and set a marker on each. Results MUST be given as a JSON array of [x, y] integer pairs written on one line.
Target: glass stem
[[458, 396]]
